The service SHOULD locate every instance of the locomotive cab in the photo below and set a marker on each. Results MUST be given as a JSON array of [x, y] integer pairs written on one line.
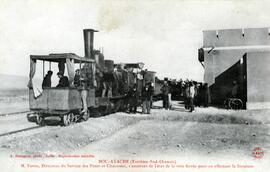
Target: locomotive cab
[[65, 102]]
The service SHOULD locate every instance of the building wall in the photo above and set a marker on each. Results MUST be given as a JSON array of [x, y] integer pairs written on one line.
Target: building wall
[[233, 37], [219, 61], [222, 88], [258, 80], [235, 45]]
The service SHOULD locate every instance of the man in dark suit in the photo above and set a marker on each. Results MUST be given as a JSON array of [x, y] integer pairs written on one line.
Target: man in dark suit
[[133, 99], [165, 89], [147, 93], [47, 80], [63, 81]]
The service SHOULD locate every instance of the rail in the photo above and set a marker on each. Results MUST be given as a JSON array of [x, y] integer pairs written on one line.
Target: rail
[[13, 113], [21, 130]]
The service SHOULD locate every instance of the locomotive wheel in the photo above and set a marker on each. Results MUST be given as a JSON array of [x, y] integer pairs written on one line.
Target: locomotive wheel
[[118, 105], [67, 119], [73, 118], [95, 112], [40, 120], [86, 115]]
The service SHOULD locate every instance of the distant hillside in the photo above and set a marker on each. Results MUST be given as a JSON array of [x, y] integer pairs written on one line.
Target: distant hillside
[[10, 82]]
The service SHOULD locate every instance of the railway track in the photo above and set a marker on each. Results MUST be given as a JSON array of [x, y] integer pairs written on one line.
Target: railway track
[[21, 130], [13, 113]]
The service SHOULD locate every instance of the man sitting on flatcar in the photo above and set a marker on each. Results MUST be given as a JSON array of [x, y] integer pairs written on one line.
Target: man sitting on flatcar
[[63, 81], [47, 80]]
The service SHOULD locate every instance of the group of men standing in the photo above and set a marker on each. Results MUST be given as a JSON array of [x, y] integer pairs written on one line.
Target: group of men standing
[[194, 94], [137, 98], [124, 81]]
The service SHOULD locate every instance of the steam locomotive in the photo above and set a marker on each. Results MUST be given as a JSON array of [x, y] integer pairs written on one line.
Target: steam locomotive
[[98, 86]]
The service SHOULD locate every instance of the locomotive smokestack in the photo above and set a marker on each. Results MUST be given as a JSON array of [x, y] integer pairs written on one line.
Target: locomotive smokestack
[[88, 35]]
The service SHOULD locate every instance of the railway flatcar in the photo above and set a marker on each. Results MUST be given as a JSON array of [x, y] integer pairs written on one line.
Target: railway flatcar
[[93, 85]]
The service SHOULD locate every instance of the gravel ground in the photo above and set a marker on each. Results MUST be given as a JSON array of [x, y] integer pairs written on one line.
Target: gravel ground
[[11, 107], [171, 133], [14, 122], [204, 135], [13, 101], [67, 139]]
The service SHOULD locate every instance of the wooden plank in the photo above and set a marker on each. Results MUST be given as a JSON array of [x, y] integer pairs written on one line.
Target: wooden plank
[[74, 99], [64, 99], [54, 99], [39, 102]]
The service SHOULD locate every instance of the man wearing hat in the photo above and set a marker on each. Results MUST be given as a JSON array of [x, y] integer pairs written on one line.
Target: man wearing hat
[[47, 80], [63, 81], [192, 94], [147, 93], [165, 89]]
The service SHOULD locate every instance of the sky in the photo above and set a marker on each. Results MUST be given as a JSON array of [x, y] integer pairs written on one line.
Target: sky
[[164, 34]]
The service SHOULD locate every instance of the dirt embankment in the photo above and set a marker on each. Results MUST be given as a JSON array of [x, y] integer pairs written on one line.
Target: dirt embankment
[[211, 130], [66, 139], [13, 100]]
